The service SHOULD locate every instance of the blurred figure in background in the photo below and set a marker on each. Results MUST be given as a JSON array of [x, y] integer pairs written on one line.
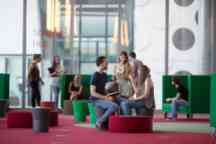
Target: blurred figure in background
[[55, 71], [75, 88], [135, 64]]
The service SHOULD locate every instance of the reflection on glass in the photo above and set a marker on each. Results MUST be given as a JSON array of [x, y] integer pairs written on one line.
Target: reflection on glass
[[13, 66], [81, 31], [123, 34]]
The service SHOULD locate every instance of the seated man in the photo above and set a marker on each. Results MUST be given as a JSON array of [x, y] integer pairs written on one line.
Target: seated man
[[98, 93], [144, 99], [180, 99]]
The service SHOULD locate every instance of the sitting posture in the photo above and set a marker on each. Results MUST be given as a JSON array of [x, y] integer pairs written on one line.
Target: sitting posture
[[112, 90], [144, 99], [181, 98], [75, 88], [99, 97]]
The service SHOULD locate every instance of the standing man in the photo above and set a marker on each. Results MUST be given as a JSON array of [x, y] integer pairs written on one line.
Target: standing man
[[34, 80], [98, 93], [135, 64]]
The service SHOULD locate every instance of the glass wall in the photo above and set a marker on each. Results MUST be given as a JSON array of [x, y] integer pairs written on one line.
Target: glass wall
[[81, 30], [76, 30], [12, 64]]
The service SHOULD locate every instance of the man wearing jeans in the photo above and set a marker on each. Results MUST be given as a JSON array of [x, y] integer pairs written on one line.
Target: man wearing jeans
[[98, 93], [181, 98]]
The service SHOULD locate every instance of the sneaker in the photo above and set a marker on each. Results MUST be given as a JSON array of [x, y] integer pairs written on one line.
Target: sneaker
[[98, 127]]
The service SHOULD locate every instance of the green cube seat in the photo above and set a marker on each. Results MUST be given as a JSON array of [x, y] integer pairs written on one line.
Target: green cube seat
[[213, 100], [4, 86], [80, 110], [92, 114], [182, 109]]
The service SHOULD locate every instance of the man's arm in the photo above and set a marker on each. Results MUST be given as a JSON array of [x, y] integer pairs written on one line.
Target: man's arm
[[95, 94]]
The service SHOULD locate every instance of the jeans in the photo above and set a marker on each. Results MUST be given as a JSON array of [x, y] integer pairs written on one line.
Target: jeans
[[55, 95], [109, 107], [175, 104], [136, 104], [120, 100], [35, 93]]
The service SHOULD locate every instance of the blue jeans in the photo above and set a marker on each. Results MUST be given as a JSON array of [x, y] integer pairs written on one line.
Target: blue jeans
[[175, 104], [109, 107], [55, 95], [136, 104], [120, 100]]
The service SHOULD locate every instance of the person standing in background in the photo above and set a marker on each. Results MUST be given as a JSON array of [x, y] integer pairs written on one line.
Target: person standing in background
[[34, 80], [55, 71], [135, 64]]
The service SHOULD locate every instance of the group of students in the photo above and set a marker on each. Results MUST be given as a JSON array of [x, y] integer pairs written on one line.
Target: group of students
[[133, 78], [136, 90], [56, 69]]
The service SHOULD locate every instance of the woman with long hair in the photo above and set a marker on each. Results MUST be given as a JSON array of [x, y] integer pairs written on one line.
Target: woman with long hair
[[123, 76], [75, 88], [55, 71], [144, 102]]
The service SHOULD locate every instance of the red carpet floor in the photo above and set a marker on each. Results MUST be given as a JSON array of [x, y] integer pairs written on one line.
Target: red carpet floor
[[67, 133], [201, 118]]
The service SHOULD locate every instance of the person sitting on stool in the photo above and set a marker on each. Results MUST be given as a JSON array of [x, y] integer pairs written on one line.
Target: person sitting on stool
[[98, 96], [144, 99], [181, 98], [75, 88]]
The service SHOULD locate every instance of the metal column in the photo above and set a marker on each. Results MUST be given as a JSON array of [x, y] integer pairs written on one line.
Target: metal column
[[24, 40]]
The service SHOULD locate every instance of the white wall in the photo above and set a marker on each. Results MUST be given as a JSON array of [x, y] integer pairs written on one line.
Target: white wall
[[190, 60], [33, 27], [11, 27], [11, 13], [150, 38]]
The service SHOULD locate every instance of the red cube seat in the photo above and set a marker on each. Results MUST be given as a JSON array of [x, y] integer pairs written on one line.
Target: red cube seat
[[130, 124], [48, 104], [19, 119], [53, 118]]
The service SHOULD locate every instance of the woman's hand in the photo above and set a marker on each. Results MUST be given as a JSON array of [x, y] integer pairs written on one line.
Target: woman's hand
[[131, 98]]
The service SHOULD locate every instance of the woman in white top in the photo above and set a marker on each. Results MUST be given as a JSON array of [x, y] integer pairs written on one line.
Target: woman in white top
[[123, 76], [55, 71]]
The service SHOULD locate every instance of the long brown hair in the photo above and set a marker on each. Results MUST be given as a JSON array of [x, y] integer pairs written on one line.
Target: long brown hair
[[124, 53], [143, 73], [54, 63]]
